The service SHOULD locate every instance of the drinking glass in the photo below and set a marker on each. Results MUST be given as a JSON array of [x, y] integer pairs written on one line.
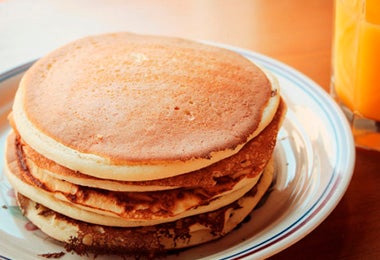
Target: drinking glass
[[355, 83]]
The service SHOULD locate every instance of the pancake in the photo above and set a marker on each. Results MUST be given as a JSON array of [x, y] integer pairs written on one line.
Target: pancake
[[126, 143], [83, 237], [143, 208], [216, 99], [124, 208], [208, 177], [104, 216]]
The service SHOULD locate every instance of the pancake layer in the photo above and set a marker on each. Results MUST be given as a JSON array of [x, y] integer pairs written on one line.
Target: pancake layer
[[122, 86], [83, 237], [143, 207], [249, 161]]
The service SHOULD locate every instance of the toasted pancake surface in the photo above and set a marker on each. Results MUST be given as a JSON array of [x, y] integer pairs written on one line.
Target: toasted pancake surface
[[237, 174], [250, 160], [132, 208], [158, 106], [83, 237]]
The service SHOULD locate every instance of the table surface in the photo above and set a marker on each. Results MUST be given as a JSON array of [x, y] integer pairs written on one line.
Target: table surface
[[298, 33]]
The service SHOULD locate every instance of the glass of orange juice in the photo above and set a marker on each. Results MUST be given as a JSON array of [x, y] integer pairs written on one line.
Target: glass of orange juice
[[355, 83]]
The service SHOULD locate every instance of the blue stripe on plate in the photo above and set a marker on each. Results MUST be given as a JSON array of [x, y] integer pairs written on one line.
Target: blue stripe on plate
[[14, 72]]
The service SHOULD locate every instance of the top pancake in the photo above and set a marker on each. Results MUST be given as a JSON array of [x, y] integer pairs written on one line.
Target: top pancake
[[142, 107]]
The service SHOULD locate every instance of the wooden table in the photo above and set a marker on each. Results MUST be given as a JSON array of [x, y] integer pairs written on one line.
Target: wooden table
[[295, 32]]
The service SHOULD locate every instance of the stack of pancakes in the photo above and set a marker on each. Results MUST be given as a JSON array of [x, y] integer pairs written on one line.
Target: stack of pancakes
[[128, 144]]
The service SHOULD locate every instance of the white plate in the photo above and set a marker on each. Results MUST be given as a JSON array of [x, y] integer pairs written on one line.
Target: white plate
[[315, 157]]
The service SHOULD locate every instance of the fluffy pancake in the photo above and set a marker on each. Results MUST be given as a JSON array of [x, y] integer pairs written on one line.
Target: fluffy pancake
[[123, 208], [142, 208], [126, 143], [103, 216], [98, 122], [83, 237], [250, 160]]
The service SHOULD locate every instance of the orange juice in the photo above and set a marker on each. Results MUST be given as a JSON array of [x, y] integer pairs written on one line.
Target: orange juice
[[356, 56], [356, 67]]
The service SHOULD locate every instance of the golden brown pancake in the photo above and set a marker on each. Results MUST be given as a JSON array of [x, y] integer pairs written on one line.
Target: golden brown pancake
[[83, 237], [143, 208], [207, 177], [131, 143], [124, 208], [131, 107]]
